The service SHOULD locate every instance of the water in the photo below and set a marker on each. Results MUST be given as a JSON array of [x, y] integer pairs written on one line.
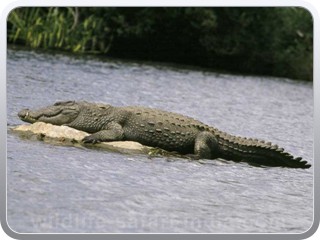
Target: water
[[55, 188]]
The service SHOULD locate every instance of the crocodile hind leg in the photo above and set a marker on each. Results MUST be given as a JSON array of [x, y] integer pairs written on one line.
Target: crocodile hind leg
[[206, 146]]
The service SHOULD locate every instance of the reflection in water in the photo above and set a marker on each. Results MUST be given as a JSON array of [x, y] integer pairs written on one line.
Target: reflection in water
[[65, 189]]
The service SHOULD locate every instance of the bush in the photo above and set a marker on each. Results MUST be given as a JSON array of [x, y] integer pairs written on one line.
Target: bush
[[269, 41]]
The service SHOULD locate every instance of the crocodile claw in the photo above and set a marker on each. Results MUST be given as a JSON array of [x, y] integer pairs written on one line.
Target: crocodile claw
[[90, 139]]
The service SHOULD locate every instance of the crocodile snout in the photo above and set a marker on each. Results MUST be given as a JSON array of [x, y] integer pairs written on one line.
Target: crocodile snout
[[23, 113]]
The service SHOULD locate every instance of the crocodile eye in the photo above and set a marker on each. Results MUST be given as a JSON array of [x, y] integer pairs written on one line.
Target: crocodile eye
[[103, 106], [64, 103]]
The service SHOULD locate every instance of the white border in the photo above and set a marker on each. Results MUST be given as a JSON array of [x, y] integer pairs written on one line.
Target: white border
[[313, 5]]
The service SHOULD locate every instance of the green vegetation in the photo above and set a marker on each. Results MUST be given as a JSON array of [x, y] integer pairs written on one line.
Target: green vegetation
[[268, 41], [58, 28]]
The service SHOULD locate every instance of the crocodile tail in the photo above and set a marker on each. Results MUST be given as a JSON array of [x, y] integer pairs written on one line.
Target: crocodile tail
[[257, 152]]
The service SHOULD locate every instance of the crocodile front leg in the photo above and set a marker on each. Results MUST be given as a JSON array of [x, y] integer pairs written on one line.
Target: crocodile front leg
[[114, 132]]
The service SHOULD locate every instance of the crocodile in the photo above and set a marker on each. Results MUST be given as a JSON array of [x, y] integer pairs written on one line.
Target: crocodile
[[162, 129]]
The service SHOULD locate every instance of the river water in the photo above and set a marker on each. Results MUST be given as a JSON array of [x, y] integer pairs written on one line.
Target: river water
[[64, 189]]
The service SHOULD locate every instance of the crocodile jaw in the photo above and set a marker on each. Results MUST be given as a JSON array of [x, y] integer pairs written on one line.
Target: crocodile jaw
[[56, 114]]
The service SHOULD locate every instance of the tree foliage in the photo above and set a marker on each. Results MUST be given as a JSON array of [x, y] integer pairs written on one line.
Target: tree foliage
[[270, 41]]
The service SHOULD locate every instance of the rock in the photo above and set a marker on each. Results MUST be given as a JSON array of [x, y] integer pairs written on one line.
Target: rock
[[70, 136]]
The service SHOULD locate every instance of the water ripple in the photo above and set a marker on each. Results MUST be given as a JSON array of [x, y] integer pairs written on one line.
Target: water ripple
[[64, 189]]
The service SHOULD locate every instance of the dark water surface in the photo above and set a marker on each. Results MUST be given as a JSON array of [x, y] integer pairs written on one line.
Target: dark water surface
[[55, 188]]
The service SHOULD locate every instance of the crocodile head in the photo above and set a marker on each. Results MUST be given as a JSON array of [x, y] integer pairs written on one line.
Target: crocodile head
[[58, 114]]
